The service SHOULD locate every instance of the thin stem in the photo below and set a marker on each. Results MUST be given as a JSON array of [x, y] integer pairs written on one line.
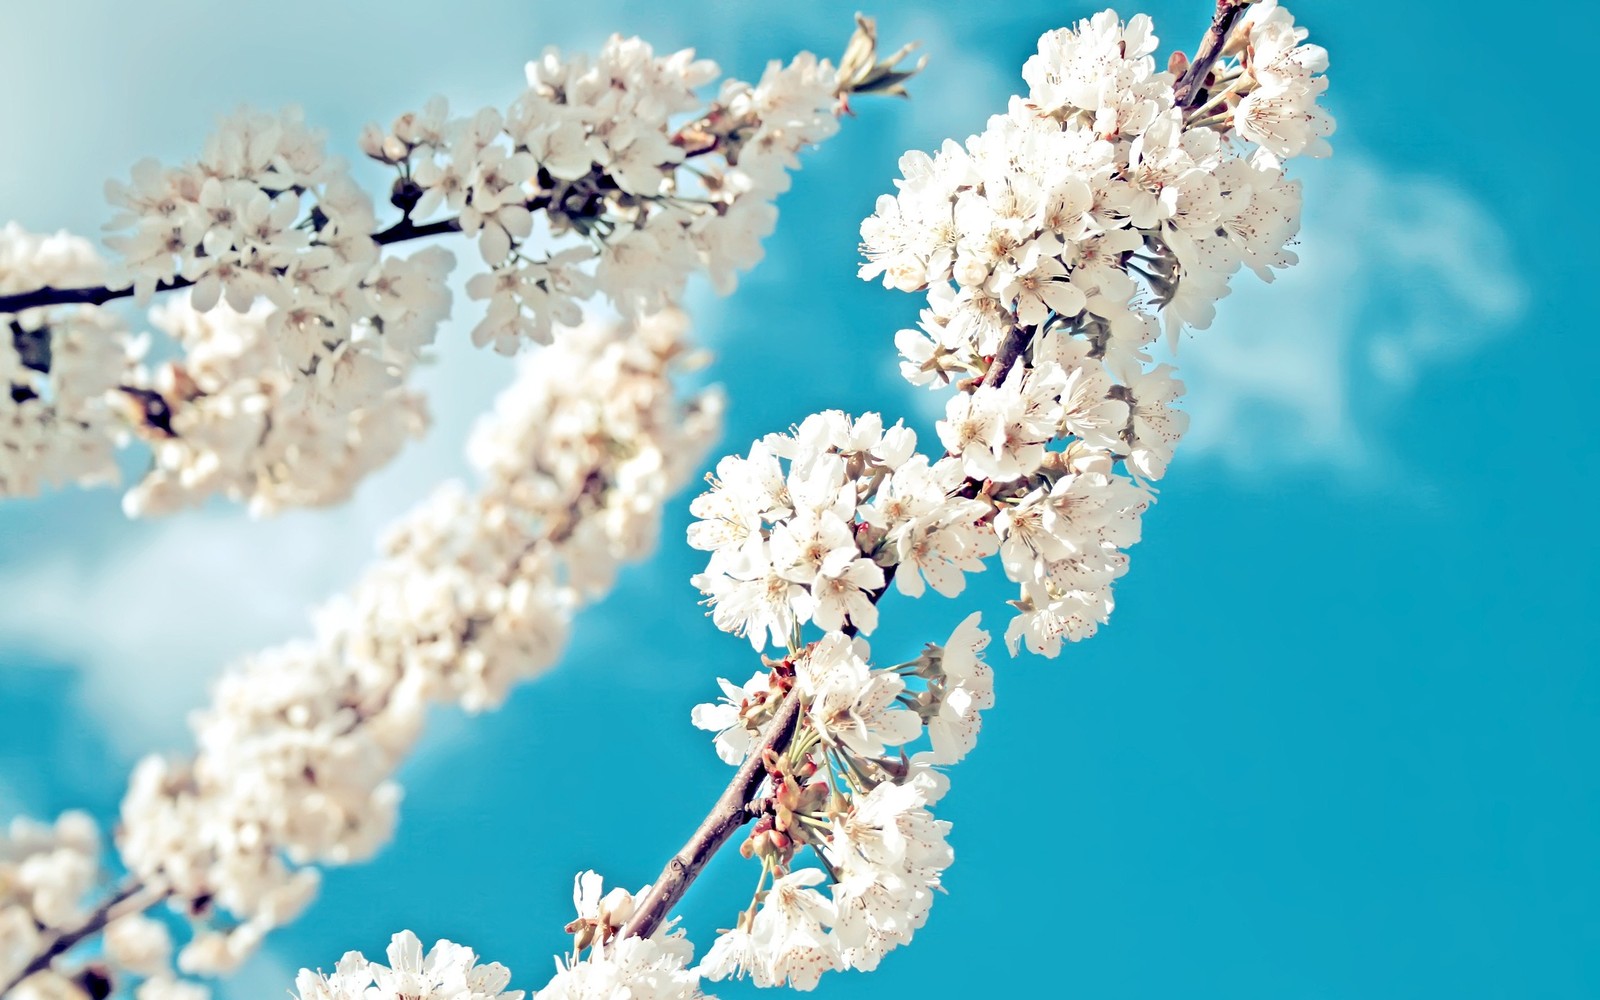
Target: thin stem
[[1216, 37], [133, 897], [99, 295]]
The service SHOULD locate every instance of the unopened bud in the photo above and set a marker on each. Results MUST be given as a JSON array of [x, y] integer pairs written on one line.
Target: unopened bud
[[371, 142], [616, 907], [395, 150], [970, 273]]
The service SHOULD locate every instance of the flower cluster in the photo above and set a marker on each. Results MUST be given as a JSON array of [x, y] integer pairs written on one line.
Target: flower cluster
[[1053, 248], [654, 967], [298, 335], [60, 370], [264, 214], [810, 526], [845, 788], [231, 414], [46, 871], [263, 211], [804, 528], [590, 164], [298, 750], [1091, 204], [234, 423], [447, 972], [1273, 87]]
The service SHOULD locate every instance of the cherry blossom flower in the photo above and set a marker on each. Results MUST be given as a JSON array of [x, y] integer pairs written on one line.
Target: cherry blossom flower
[[447, 972]]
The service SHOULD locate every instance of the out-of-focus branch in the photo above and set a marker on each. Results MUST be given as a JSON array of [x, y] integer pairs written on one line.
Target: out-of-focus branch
[[133, 897]]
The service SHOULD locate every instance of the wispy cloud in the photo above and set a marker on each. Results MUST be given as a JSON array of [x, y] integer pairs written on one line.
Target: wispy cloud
[[1397, 274], [152, 618]]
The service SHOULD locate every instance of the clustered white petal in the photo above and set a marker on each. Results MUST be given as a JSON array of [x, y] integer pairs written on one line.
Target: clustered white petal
[[292, 392], [60, 370], [46, 872], [639, 968], [447, 972], [234, 424], [1092, 213], [805, 527], [609, 175], [846, 788]]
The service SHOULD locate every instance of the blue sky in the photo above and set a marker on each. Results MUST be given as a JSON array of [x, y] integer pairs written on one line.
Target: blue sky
[[1339, 739]]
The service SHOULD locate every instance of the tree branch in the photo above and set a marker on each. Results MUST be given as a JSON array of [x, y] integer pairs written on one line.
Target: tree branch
[[133, 897], [726, 817], [1011, 350], [1222, 22], [99, 295], [730, 812]]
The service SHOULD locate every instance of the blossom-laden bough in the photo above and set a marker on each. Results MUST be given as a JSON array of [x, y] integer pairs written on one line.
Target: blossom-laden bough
[[607, 177], [1113, 201]]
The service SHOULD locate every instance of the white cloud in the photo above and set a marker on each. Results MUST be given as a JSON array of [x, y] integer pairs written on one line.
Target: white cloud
[[1397, 274], [150, 620]]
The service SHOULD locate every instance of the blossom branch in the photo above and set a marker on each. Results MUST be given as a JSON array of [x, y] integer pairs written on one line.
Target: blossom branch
[[1061, 362]]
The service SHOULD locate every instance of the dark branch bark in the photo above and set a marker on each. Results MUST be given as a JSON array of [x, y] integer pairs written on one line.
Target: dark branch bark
[[1011, 351], [99, 295], [116, 905], [726, 817], [1216, 36]]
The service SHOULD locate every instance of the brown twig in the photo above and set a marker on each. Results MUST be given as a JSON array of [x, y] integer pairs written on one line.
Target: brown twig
[[1216, 37], [726, 817]]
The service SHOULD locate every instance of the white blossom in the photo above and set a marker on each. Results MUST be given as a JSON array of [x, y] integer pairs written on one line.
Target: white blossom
[[447, 972], [725, 717], [853, 705], [653, 968]]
